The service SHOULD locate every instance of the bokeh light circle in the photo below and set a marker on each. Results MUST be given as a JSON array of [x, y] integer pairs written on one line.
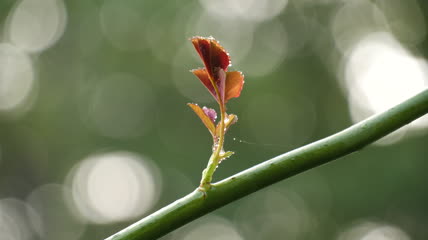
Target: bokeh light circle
[[36, 25], [379, 74], [369, 230], [212, 228], [114, 187], [17, 78]]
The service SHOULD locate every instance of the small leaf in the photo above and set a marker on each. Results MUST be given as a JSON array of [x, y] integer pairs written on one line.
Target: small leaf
[[226, 155], [228, 121], [202, 74], [234, 85], [220, 82], [206, 119]]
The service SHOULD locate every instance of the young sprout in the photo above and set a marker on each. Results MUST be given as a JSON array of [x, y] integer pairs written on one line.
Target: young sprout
[[223, 85]]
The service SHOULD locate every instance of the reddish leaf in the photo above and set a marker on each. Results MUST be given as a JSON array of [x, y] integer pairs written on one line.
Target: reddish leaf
[[207, 119], [202, 74], [234, 85], [219, 57], [212, 54], [203, 47]]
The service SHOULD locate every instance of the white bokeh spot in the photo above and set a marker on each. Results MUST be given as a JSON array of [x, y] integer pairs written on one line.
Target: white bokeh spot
[[35, 25], [368, 230], [213, 228], [115, 186], [17, 80], [379, 74]]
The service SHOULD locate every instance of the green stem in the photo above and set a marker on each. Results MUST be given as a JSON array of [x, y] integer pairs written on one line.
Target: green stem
[[195, 204], [215, 158], [208, 172]]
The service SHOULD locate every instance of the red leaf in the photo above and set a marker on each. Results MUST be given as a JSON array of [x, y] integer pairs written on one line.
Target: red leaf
[[234, 85], [219, 57], [212, 54], [202, 74]]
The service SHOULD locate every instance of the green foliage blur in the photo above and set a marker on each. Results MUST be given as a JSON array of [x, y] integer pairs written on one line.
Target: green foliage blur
[[95, 132]]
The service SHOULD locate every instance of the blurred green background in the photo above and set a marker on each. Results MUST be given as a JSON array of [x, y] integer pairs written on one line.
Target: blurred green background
[[95, 132]]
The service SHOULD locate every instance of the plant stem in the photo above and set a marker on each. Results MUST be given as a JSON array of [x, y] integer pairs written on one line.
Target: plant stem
[[196, 204], [215, 158], [208, 172]]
